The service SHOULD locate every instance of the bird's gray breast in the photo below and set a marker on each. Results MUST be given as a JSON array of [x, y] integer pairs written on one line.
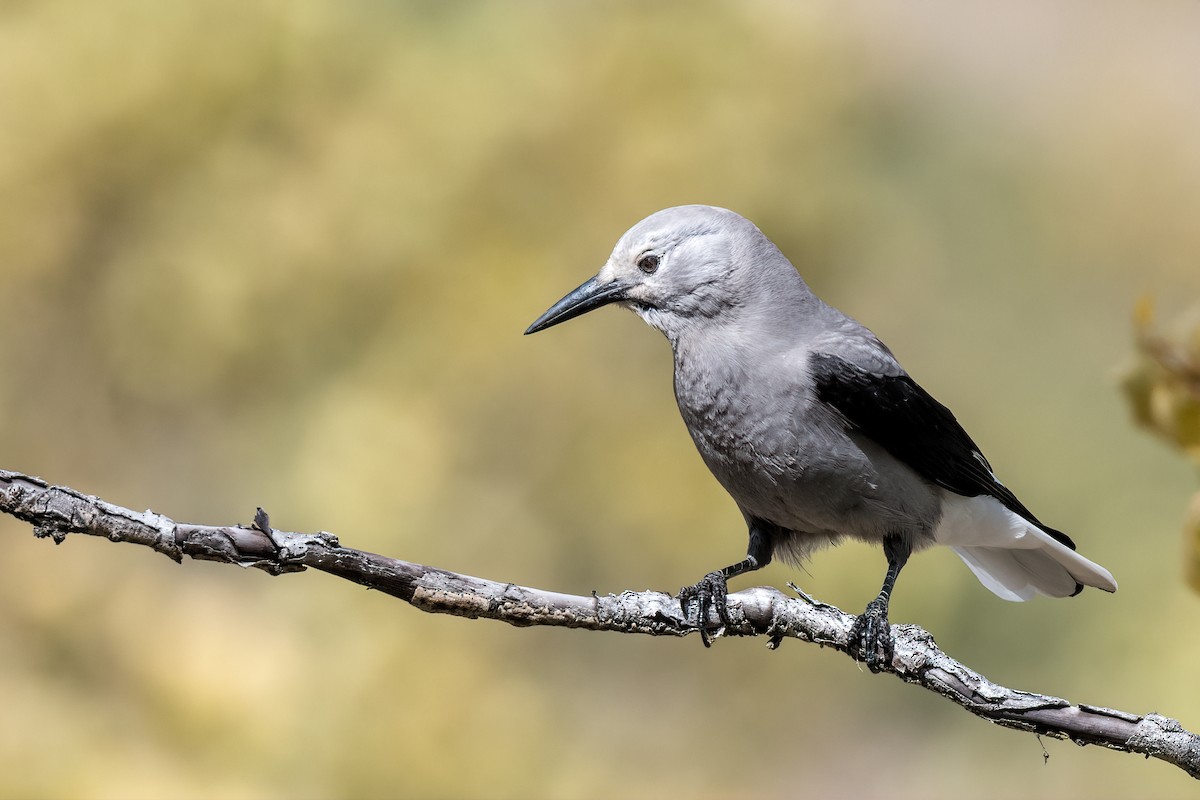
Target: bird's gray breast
[[788, 459]]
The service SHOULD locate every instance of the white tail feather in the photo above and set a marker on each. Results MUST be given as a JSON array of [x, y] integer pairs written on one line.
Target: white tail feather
[[1011, 557]]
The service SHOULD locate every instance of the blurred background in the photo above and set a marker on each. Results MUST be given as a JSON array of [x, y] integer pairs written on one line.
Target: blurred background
[[282, 254]]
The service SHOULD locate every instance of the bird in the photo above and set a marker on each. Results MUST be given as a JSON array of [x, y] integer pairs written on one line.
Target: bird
[[811, 424]]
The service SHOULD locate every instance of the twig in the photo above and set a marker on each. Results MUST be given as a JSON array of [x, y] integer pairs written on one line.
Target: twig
[[56, 511]]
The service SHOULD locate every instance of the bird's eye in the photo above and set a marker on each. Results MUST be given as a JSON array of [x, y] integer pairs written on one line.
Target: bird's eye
[[648, 263]]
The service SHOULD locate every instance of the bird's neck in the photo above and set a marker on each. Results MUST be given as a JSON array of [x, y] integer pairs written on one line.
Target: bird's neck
[[722, 359], [748, 329]]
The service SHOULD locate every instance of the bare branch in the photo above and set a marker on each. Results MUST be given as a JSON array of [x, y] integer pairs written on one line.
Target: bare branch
[[56, 511]]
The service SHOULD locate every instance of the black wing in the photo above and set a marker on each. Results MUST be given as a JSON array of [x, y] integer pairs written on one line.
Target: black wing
[[904, 419]]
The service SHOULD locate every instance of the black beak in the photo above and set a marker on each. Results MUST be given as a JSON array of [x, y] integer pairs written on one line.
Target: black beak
[[591, 295]]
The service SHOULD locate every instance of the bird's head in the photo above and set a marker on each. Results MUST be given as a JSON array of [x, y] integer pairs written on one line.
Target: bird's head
[[676, 267]]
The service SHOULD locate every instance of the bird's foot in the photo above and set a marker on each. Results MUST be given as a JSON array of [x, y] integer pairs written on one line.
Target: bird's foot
[[707, 593], [871, 636]]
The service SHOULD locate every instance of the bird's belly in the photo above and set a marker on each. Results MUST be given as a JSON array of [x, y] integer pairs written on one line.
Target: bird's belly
[[822, 485]]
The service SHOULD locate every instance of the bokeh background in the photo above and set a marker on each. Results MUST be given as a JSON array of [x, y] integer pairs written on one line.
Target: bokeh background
[[282, 253]]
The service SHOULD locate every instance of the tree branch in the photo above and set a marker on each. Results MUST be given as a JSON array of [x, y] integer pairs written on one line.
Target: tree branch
[[57, 511]]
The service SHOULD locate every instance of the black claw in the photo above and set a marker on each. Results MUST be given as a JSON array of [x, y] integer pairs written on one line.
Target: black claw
[[871, 637], [707, 593]]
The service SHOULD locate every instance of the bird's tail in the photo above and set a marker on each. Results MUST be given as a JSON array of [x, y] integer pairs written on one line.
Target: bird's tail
[[1011, 556]]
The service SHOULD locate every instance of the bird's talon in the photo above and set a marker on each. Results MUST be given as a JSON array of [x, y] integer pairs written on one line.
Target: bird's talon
[[871, 637], [707, 593]]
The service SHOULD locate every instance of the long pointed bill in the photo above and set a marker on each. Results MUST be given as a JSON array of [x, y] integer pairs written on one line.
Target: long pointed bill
[[591, 295]]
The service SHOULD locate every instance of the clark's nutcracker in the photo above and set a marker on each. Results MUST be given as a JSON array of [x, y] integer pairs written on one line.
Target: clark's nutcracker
[[808, 420]]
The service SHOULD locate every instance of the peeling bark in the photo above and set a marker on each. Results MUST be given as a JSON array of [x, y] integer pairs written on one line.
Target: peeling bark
[[55, 512]]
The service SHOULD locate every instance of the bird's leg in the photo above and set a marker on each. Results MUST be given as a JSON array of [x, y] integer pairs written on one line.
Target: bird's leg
[[710, 591], [871, 634]]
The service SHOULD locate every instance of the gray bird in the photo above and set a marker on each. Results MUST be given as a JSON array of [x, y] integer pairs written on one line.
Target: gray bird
[[811, 424]]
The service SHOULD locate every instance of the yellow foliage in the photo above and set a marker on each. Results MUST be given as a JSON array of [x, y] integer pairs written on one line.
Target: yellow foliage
[[1163, 383], [1162, 386]]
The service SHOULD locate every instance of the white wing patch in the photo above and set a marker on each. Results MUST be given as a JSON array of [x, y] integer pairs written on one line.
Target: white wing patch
[[1010, 556]]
